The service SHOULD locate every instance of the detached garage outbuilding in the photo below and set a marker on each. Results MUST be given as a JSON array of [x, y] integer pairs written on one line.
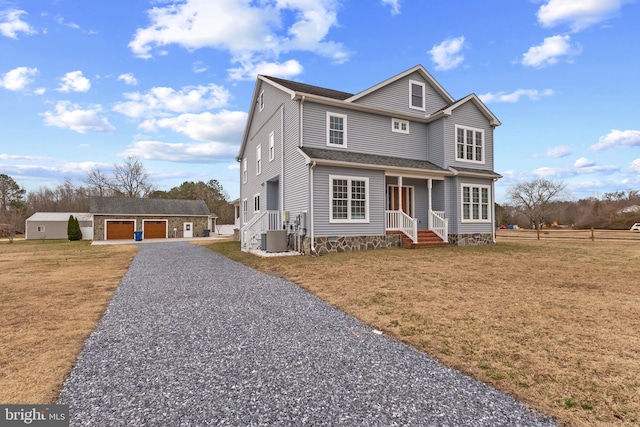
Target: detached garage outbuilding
[[53, 225], [118, 218]]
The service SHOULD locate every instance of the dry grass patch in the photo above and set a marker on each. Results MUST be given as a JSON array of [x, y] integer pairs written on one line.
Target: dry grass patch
[[555, 324], [53, 294]]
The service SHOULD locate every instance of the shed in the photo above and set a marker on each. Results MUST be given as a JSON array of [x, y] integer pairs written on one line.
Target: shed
[[118, 218], [53, 225]]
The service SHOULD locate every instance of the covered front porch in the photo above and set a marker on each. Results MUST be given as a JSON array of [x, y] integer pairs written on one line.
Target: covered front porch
[[415, 205]]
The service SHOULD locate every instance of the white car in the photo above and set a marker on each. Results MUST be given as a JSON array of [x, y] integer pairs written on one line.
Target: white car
[[635, 227]]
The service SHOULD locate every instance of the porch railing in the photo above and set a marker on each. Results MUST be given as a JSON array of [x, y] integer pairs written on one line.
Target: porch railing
[[439, 224], [251, 232], [398, 220]]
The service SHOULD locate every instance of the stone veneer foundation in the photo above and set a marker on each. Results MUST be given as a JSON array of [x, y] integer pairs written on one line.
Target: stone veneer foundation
[[325, 245], [477, 239]]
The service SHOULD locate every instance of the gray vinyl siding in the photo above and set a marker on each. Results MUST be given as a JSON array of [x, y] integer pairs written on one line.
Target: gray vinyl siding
[[454, 211], [366, 133], [395, 96], [296, 171], [321, 203], [468, 115], [436, 145]]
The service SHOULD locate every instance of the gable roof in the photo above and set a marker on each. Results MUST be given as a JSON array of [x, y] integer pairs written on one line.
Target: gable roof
[[369, 160], [419, 69], [309, 89], [493, 120], [133, 206]]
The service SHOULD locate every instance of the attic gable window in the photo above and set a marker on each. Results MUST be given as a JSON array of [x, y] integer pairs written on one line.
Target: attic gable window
[[469, 144], [261, 101], [416, 95], [336, 130]]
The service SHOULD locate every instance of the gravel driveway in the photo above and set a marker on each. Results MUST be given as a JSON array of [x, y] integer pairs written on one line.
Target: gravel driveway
[[193, 339]]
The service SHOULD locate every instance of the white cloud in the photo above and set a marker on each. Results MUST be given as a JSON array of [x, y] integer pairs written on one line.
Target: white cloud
[[548, 172], [128, 79], [181, 152], [550, 51], [199, 67], [259, 34], [618, 139], [249, 70], [583, 162], [532, 94], [446, 55], [578, 14], [74, 81], [635, 166], [18, 78], [225, 125], [28, 158], [161, 101], [60, 20], [70, 116], [557, 152], [395, 6], [11, 24], [234, 167]]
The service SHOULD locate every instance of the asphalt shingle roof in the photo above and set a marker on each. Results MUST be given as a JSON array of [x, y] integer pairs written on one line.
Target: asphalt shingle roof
[[370, 159], [310, 89], [134, 206]]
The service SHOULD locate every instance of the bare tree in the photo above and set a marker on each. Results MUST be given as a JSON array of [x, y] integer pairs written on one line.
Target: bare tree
[[98, 182], [131, 180], [12, 207], [532, 198]]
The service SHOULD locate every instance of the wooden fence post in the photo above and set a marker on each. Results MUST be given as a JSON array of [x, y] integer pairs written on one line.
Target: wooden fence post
[[538, 230], [593, 237]]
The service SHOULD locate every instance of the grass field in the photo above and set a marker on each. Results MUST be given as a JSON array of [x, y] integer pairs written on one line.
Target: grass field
[[555, 324], [53, 294]]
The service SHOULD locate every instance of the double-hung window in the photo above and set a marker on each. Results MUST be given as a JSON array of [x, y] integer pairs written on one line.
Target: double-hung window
[[336, 130], [475, 203], [256, 203], [469, 144], [245, 173], [272, 147], [259, 159], [349, 199], [416, 95], [245, 211]]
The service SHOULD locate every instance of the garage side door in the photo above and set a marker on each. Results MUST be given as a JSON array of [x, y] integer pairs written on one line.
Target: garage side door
[[155, 229], [118, 230]]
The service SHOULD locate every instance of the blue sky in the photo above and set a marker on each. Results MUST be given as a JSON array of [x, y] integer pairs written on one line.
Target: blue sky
[[84, 84]]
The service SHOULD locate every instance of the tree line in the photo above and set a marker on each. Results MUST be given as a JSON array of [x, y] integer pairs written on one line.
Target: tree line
[[129, 179]]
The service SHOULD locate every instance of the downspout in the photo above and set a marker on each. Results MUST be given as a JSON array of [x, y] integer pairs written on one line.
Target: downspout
[[301, 122], [281, 195], [313, 242], [493, 209]]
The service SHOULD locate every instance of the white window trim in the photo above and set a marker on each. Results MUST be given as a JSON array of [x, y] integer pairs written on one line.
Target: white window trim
[[400, 123], [245, 172], [489, 198], [256, 202], [272, 146], [261, 101], [259, 159], [480, 162], [365, 220], [245, 210], [424, 101], [344, 132], [40, 228]]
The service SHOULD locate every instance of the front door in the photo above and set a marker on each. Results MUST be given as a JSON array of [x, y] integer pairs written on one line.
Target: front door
[[393, 201], [187, 230]]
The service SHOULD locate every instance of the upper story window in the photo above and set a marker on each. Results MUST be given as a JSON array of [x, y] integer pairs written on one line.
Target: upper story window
[[475, 203], [398, 125], [349, 199], [244, 170], [469, 144], [259, 159], [416, 95], [261, 101], [336, 130], [272, 147]]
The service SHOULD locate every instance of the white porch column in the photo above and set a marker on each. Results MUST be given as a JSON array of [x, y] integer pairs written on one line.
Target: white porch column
[[430, 186], [400, 193]]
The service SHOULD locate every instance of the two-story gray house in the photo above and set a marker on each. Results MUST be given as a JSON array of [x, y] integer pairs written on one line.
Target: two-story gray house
[[400, 163]]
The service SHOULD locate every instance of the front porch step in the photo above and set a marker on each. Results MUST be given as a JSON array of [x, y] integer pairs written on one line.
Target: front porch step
[[426, 239]]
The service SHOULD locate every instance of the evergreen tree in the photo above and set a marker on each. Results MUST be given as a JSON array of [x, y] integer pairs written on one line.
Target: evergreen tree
[[73, 229]]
